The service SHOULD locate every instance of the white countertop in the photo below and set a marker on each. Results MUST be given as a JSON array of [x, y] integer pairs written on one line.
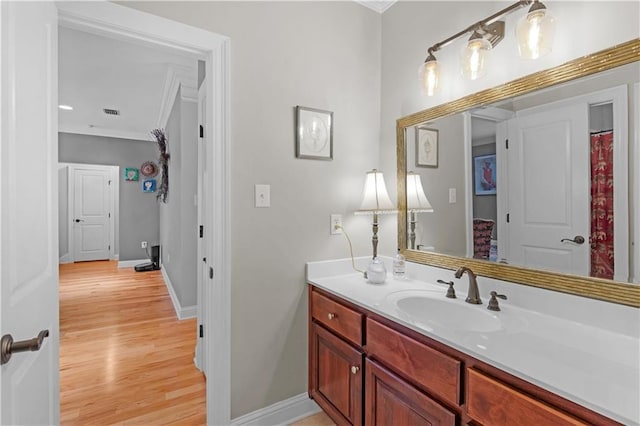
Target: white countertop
[[584, 350]]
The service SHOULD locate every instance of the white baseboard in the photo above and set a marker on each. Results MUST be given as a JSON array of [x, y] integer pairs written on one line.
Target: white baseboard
[[182, 312], [131, 263], [65, 258], [281, 413]]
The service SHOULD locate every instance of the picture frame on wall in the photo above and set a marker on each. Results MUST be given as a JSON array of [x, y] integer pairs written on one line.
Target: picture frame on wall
[[426, 147], [131, 174], [314, 133], [484, 174], [149, 185]]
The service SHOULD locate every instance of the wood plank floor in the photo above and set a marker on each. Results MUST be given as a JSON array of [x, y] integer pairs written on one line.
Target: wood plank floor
[[124, 356]]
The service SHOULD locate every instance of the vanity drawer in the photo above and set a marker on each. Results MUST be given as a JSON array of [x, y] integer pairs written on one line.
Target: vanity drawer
[[337, 317], [427, 367], [491, 402]]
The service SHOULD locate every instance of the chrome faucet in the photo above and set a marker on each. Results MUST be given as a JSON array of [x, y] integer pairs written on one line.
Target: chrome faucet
[[473, 295]]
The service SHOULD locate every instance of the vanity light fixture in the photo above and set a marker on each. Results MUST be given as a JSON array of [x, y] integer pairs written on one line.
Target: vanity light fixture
[[417, 202], [375, 201], [534, 32]]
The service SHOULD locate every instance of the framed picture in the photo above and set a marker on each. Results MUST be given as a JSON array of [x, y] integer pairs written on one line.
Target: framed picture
[[131, 174], [484, 174], [426, 147], [149, 169], [149, 185], [314, 133]]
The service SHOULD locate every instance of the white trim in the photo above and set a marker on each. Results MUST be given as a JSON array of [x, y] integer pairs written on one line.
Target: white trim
[[468, 179], [178, 77], [104, 132], [635, 264], [281, 413], [65, 258], [131, 263], [181, 312], [113, 20], [379, 6]]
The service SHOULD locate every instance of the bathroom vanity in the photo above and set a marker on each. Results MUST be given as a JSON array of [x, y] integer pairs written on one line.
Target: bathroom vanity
[[376, 358]]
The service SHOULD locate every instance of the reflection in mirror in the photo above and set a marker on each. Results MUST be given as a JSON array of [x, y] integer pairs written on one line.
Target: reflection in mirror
[[540, 181]]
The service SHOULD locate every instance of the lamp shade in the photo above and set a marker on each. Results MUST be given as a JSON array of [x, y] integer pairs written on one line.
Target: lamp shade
[[428, 74], [475, 57], [416, 199], [535, 32], [375, 198]]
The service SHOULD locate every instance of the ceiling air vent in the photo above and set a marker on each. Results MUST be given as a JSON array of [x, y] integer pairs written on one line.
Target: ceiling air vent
[[110, 111]]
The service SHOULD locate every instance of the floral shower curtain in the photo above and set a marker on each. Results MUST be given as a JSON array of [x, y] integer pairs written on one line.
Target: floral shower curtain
[[602, 259]]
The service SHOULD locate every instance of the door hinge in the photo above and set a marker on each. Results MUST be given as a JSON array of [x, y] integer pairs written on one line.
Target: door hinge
[[201, 131], [211, 272], [507, 217], [109, 214], [201, 333], [109, 248], [201, 231], [506, 143], [204, 259]]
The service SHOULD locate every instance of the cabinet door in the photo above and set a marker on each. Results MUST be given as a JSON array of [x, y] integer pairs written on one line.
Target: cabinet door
[[392, 401], [336, 376]]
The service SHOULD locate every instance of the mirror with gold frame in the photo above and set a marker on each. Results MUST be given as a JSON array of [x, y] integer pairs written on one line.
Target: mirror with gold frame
[[457, 115]]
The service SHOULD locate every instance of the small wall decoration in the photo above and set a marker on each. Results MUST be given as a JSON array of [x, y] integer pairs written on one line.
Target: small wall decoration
[[161, 138], [426, 147], [149, 185], [131, 174], [149, 169], [484, 174], [314, 133]]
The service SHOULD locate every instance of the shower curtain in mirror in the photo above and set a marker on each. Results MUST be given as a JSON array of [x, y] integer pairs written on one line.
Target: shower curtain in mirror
[[602, 257]]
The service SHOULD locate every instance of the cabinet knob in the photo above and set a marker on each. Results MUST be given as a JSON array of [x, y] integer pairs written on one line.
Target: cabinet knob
[[355, 369], [331, 316]]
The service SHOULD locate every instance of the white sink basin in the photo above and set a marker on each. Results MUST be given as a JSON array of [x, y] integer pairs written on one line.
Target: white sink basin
[[433, 311]]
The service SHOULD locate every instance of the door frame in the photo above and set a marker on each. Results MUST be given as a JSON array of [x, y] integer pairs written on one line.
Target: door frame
[[122, 22], [114, 204]]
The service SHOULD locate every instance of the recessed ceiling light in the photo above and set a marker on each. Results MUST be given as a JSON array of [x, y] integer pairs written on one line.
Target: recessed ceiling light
[[66, 107]]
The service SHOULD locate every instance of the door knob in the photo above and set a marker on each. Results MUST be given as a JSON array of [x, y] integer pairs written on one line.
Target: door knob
[[9, 347], [578, 239], [355, 369]]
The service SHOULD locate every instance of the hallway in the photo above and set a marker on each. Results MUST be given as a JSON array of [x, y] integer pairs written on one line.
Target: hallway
[[124, 356]]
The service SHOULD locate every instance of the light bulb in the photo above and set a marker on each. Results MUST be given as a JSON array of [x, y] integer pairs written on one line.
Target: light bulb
[[428, 73], [535, 32], [475, 57]]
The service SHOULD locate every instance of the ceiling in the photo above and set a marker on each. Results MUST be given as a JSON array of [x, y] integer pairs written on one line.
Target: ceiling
[[97, 72], [378, 5]]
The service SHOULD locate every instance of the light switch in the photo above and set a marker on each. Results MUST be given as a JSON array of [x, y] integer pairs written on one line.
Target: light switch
[[452, 195], [263, 195]]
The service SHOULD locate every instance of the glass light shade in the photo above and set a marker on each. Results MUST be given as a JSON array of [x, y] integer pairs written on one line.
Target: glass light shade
[[475, 57], [535, 32], [428, 73], [375, 198], [416, 199]]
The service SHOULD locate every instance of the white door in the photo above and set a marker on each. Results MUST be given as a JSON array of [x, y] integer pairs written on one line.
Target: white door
[[548, 190], [29, 385], [91, 215]]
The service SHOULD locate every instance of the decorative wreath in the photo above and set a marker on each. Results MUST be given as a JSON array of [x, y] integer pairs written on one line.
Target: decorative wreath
[[163, 188], [149, 169]]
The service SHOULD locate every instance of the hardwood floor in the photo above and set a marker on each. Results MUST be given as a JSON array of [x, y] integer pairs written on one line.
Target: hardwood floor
[[319, 419], [124, 356]]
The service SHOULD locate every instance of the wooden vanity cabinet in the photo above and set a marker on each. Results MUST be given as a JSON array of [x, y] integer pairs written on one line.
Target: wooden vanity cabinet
[[366, 369]]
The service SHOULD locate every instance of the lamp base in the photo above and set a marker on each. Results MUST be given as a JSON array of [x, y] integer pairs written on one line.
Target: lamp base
[[376, 271]]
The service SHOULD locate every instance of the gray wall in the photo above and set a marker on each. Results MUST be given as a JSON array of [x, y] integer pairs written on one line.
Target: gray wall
[[178, 216], [443, 229], [63, 209], [138, 211], [317, 54]]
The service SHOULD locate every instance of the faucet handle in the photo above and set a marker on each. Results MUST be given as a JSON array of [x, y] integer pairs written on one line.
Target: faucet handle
[[451, 293], [493, 302]]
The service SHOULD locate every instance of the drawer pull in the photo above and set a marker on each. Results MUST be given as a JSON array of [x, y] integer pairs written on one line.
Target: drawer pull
[[331, 316], [355, 369]]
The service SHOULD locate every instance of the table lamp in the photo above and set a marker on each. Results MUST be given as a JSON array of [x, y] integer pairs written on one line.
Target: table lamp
[[417, 202]]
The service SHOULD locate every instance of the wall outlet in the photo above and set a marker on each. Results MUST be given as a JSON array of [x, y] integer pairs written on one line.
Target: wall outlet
[[336, 224], [143, 244], [452, 196], [263, 195]]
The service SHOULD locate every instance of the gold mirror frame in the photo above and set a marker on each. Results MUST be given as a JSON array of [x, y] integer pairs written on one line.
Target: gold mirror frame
[[595, 288]]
